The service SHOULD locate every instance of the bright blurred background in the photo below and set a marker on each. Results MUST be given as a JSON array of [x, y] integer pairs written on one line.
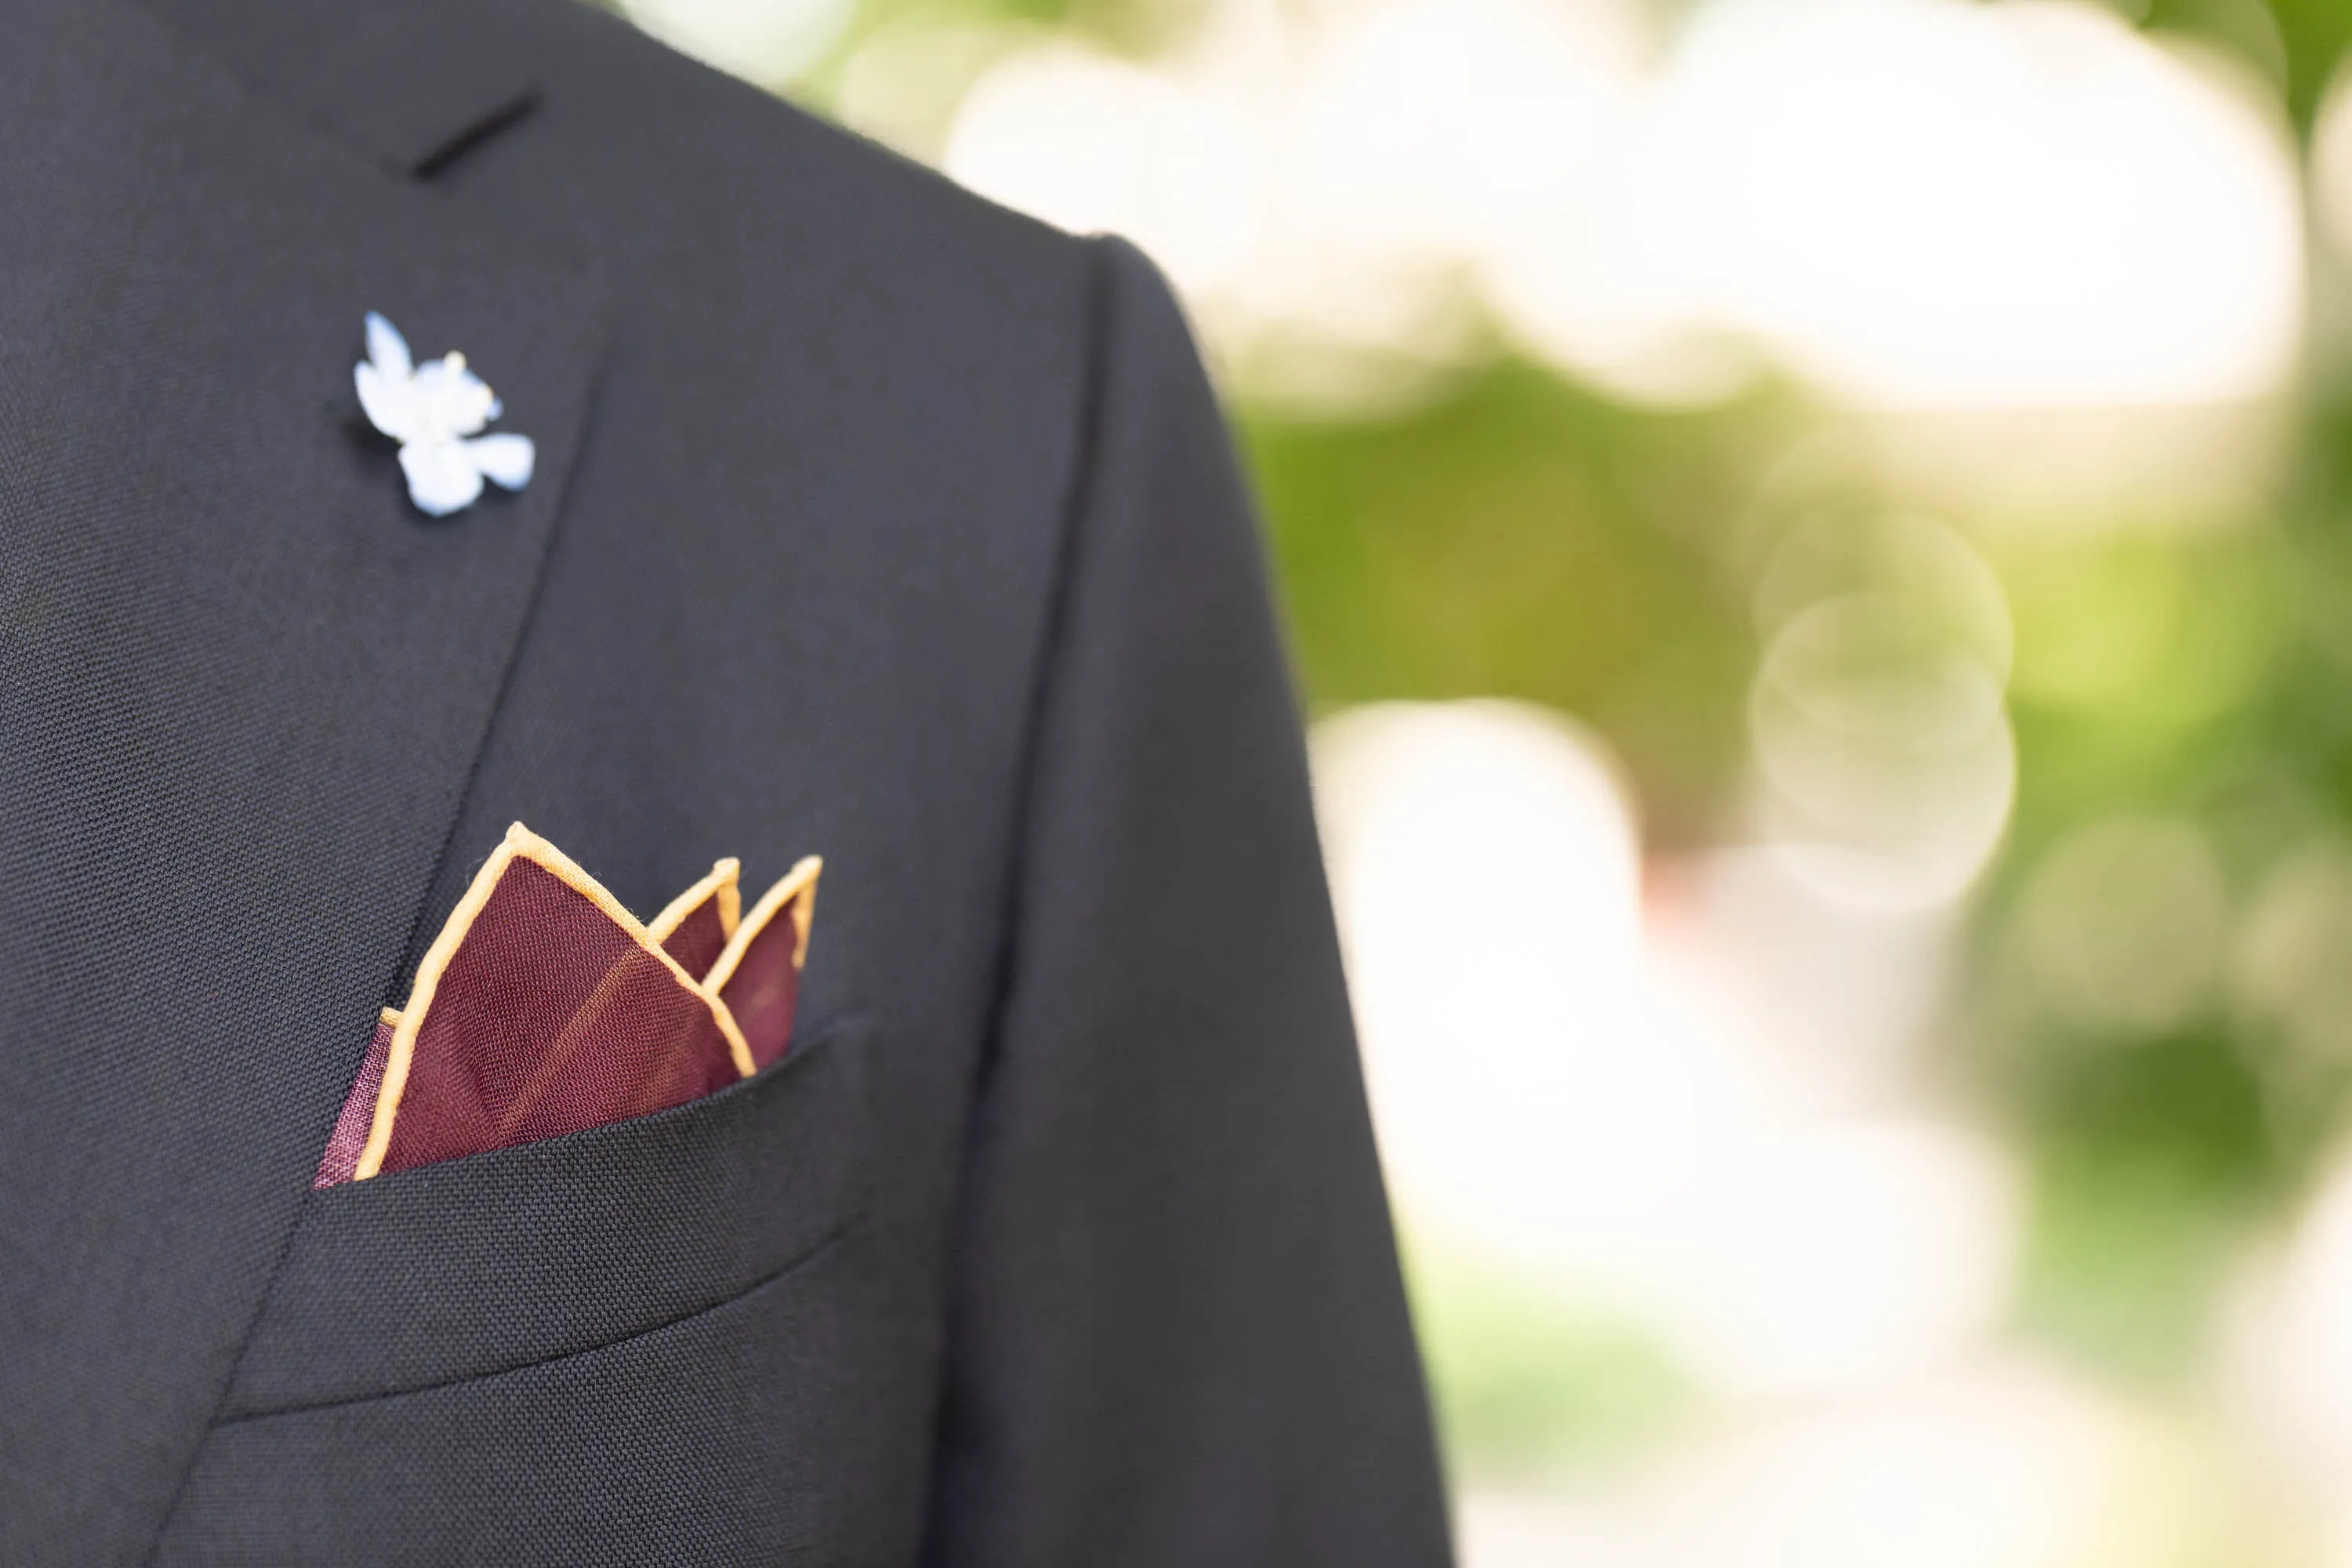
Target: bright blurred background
[[1819, 538]]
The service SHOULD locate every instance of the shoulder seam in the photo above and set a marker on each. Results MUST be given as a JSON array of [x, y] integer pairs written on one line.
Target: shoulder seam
[[1078, 490]]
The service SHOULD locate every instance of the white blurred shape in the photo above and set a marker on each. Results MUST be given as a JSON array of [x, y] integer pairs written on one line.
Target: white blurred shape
[[1947, 590], [1840, 1256], [1499, 1529], [1944, 203], [2292, 1342], [761, 40], [903, 82], [1846, 994], [2290, 1354], [1323, 183], [1094, 143], [1882, 742], [1885, 752], [1993, 1466], [1999, 1470], [1918, 203], [1412, 134], [1606, 1100], [1484, 865]]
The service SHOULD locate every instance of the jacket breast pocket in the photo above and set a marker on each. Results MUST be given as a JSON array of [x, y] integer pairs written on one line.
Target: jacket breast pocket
[[502, 1260]]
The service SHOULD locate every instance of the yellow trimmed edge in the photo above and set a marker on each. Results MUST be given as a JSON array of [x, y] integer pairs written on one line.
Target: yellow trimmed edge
[[520, 843], [786, 894], [723, 884]]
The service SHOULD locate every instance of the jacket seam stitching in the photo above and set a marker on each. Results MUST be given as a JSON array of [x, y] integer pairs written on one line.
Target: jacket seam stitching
[[1077, 500]]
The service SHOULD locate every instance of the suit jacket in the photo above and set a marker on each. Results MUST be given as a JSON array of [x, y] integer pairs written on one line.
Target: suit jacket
[[869, 521]]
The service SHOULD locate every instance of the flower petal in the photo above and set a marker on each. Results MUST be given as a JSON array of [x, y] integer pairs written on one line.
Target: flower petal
[[390, 403], [504, 458], [442, 477], [457, 401], [387, 350]]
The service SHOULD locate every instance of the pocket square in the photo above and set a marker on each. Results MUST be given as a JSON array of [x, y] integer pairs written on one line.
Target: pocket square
[[545, 1007]]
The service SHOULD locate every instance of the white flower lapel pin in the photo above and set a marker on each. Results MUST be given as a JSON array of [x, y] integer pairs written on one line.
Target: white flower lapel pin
[[435, 411]]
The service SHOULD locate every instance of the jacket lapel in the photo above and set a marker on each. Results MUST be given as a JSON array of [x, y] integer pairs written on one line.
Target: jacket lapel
[[242, 684], [408, 83]]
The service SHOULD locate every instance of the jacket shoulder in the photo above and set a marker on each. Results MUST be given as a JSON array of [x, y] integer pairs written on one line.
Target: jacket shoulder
[[678, 166]]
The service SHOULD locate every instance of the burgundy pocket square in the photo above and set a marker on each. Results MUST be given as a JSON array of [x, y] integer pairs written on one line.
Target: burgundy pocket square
[[544, 1007]]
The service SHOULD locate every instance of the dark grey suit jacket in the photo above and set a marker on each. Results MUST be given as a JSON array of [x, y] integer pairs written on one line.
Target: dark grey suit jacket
[[869, 521]]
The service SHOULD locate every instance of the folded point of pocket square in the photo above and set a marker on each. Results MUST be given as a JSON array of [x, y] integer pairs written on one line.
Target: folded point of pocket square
[[545, 1007], [694, 929]]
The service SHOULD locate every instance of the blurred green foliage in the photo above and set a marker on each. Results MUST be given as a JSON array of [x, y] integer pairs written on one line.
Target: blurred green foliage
[[1514, 533], [2200, 679], [1525, 1388], [1523, 537]]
